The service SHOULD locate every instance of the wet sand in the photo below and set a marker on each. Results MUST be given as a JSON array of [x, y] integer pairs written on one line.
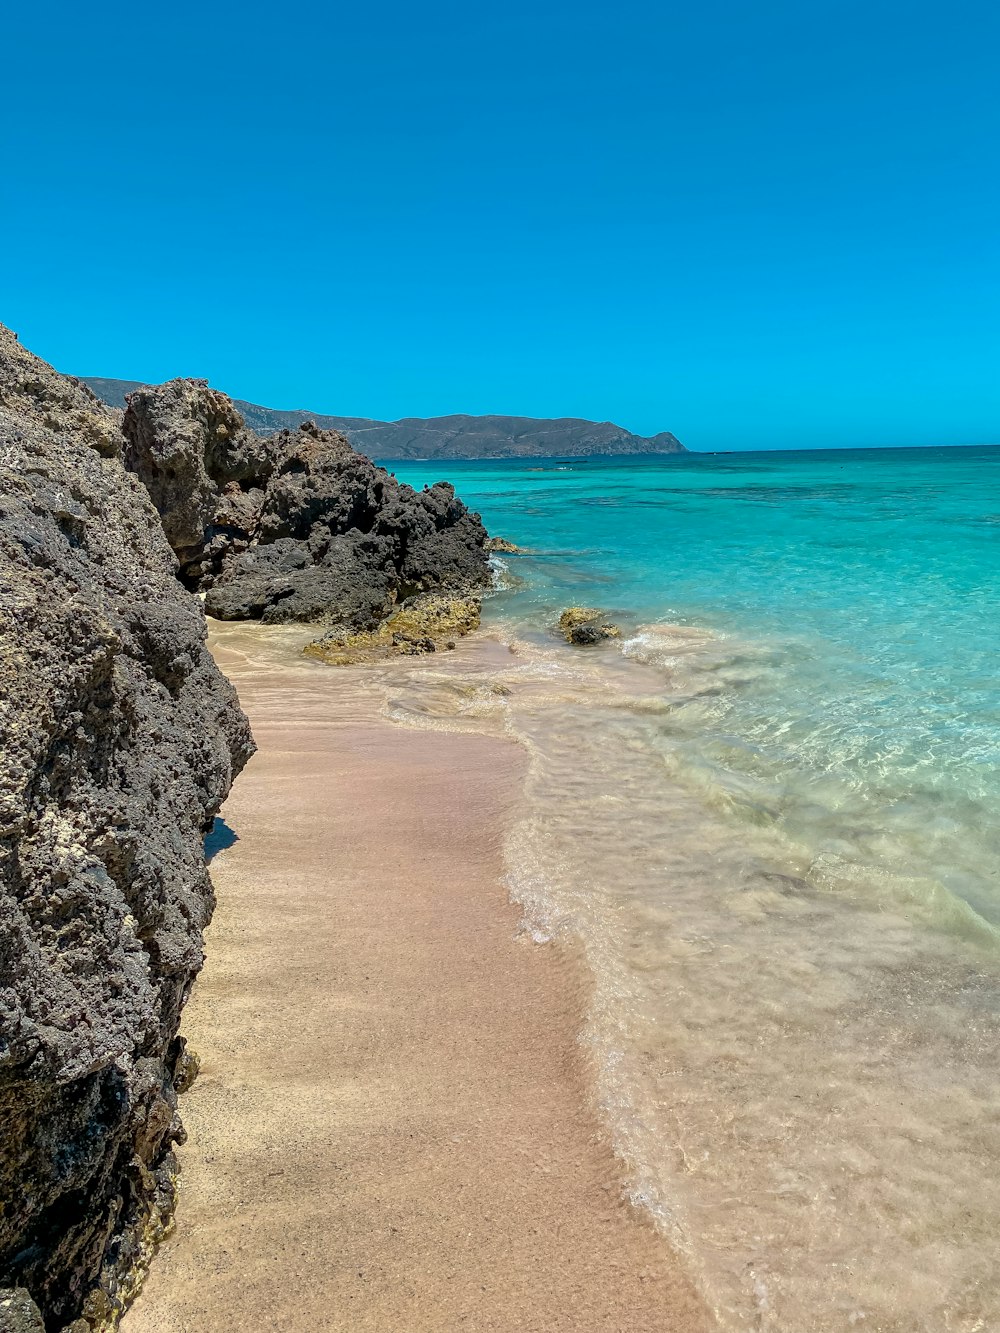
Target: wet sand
[[391, 1128]]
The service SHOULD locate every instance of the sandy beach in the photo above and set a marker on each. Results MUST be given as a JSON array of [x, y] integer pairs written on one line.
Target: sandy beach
[[391, 1130]]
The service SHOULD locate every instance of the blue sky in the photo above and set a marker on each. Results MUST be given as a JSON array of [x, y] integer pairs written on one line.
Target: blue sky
[[757, 225]]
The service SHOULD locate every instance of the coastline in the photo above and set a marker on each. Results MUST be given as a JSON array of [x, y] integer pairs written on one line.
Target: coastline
[[392, 1127]]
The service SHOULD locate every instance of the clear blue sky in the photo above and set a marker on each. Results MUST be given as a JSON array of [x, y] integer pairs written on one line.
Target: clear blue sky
[[770, 224]]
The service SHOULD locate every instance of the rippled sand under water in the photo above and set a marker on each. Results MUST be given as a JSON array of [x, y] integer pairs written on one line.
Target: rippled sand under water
[[795, 1049]]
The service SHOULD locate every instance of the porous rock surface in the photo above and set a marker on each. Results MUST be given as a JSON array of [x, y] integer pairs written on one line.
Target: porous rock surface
[[19, 1313], [119, 739], [33, 392], [296, 527]]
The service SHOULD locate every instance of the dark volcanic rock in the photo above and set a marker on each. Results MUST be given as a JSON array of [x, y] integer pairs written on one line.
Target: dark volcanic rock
[[280, 583], [119, 739], [296, 527]]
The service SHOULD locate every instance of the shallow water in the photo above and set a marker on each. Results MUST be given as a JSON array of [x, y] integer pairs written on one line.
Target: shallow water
[[770, 814]]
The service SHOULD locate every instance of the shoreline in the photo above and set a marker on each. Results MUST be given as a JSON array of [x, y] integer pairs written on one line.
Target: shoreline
[[392, 1127]]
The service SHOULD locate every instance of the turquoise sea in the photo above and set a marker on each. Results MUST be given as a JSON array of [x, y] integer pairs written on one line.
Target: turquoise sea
[[770, 815]]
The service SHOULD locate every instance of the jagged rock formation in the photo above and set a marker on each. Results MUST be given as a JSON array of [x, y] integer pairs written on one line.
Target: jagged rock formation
[[296, 527], [452, 437], [119, 739]]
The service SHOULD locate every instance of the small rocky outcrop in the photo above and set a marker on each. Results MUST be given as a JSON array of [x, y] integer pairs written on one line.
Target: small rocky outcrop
[[423, 624], [298, 527], [501, 546], [585, 625], [119, 740]]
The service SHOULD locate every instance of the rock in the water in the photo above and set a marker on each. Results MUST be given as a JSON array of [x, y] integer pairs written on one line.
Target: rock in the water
[[421, 625], [501, 546], [586, 625], [119, 740], [298, 527]]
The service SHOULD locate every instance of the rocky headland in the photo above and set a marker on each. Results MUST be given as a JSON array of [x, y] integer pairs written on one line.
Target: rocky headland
[[119, 740], [457, 436]]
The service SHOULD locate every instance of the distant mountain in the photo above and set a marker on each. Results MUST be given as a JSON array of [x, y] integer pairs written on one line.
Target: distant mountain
[[446, 437]]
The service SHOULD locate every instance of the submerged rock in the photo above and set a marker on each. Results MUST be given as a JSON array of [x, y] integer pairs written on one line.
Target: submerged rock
[[501, 546], [119, 740], [421, 625], [586, 625], [297, 527]]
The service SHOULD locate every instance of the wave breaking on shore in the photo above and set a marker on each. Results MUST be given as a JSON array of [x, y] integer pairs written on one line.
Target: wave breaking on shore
[[796, 1065]]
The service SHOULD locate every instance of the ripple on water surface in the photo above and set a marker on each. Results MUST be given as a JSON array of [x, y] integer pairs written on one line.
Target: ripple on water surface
[[772, 818], [799, 1068]]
